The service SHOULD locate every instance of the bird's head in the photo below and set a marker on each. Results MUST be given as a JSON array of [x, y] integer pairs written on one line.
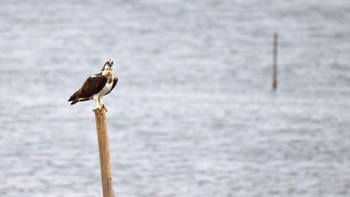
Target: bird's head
[[107, 67]]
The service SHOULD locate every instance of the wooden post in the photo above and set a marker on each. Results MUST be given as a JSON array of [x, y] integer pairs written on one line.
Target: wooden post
[[103, 147], [274, 72]]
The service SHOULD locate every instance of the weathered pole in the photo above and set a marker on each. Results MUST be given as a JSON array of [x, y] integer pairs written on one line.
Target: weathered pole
[[274, 72], [103, 148]]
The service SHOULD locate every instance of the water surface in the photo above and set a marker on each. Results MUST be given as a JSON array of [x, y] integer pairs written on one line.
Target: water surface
[[193, 113]]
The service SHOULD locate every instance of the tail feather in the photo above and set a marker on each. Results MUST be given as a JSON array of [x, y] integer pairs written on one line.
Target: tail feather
[[73, 97], [75, 101], [76, 98]]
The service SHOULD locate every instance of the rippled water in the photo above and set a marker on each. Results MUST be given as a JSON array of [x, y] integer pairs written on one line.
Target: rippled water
[[193, 113]]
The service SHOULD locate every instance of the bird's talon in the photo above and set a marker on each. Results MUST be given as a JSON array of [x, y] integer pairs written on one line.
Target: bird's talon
[[103, 107]]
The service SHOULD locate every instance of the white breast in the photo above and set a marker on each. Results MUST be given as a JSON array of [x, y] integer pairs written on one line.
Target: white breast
[[106, 88]]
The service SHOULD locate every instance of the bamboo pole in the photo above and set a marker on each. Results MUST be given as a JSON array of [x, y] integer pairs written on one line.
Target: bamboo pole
[[103, 148], [274, 72]]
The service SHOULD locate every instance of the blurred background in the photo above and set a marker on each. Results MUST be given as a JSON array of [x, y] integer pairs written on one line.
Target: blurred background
[[193, 113]]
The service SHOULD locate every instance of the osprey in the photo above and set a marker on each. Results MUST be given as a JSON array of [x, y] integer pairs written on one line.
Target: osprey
[[96, 86]]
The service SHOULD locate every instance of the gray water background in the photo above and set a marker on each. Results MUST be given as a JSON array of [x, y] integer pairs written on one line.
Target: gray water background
[[193, 114]]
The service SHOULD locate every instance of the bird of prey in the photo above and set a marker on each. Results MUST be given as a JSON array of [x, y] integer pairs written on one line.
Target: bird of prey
[[96, 86]]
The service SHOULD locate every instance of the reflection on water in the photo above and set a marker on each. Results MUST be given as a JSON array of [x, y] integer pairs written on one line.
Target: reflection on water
[[193, 113]]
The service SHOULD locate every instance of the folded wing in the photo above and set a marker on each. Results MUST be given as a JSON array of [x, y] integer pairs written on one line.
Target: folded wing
[[91, 86]]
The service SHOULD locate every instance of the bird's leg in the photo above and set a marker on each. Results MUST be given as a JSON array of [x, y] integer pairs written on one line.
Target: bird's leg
[[97, 105], [100, 103]]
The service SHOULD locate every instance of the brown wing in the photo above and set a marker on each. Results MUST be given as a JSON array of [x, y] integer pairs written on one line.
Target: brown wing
[[115, 81], [92, 86]]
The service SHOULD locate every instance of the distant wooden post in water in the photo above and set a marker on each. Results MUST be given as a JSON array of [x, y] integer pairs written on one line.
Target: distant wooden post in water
[[103, 147], [274, 72]]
